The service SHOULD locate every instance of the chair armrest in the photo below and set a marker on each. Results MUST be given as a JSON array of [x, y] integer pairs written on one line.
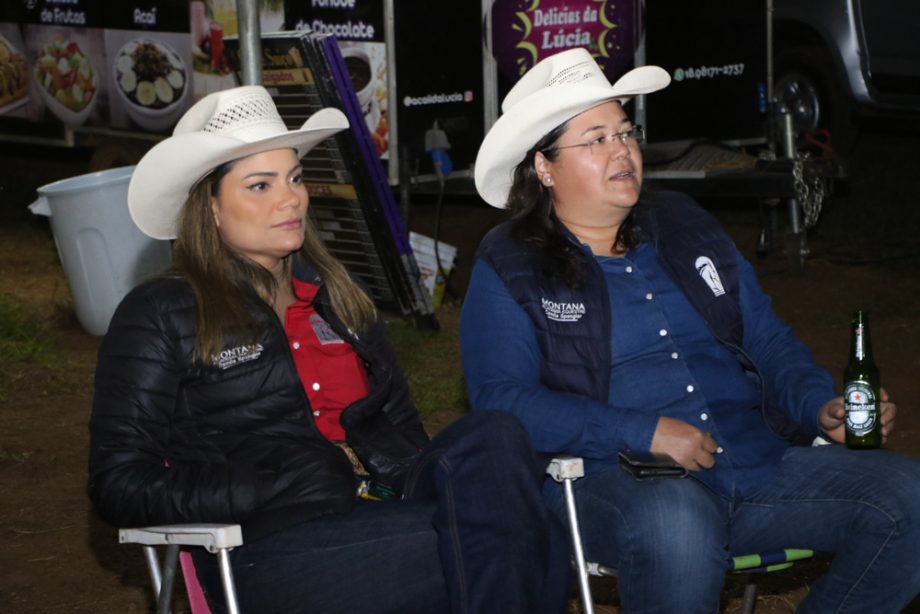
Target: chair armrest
[[564, 467], [212, 537]]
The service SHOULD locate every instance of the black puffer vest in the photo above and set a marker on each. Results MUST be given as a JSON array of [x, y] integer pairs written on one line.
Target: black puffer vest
[[573, 325]]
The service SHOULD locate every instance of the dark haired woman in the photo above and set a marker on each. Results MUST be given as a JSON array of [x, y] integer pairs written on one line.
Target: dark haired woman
[[222, 386], [610, 320]]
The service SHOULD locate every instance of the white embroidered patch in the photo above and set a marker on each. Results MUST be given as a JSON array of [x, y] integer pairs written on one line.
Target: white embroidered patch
[[563, 312], [710, 275], [238, 355]]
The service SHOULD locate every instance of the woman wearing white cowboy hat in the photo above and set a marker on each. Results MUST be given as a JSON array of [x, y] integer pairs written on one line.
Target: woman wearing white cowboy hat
[[223, 387], [611, 320]]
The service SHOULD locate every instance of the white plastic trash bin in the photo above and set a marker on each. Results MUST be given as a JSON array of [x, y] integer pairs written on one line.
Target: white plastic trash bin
[[103, 253]]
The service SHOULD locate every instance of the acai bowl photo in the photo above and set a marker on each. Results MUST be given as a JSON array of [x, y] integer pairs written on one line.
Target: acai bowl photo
[[152, 81]]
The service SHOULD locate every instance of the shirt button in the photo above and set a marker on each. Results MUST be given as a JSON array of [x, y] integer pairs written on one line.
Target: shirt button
[[629, 269], [296, 345], [648, 296], [663, 332], [704, 416], [315, 386], [316, 412], [719, 450], [674, 355], [690, 388]]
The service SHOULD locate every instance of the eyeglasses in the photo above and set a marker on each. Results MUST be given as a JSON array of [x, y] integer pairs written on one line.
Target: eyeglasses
[[603, 145]]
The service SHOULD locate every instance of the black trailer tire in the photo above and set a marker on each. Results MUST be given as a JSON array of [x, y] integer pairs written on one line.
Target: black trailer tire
[[807, 83]]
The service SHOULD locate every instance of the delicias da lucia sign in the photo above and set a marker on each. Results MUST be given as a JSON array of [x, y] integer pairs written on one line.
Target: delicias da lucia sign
[[526, 31]]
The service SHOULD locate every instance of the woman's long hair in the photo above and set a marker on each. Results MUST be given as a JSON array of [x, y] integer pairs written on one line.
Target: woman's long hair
[[227, 285], [535, 223]]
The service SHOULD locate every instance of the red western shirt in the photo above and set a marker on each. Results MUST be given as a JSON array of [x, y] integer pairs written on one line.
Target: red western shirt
[[332, 373]]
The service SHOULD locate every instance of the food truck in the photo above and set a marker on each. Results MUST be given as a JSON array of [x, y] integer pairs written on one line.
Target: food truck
[[75, 68], [423, 75]]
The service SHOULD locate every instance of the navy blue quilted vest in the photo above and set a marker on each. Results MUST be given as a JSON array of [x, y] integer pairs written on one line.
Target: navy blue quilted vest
[[573, 326]]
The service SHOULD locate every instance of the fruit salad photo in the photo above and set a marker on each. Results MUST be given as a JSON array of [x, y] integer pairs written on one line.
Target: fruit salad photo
[[65, 73]]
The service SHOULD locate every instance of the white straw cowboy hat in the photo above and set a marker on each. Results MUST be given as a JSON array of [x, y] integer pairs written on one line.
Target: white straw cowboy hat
[[554, 91], [220, 127]]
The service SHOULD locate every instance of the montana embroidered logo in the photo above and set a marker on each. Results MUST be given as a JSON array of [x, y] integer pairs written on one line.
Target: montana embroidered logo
[[235, 356], [563, 312], [710, 275]]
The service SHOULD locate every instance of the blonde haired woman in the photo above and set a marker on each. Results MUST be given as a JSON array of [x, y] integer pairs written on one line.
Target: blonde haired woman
[[223, 386]]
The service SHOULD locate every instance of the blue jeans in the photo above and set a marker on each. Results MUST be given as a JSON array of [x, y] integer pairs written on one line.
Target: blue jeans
[[672, 539], [471, 535]]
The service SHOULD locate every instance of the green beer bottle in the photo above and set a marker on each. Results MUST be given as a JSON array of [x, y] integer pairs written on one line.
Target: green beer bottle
[[861, 389]]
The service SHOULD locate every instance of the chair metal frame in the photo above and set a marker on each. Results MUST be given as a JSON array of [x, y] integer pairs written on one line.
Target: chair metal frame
[[217, 539], [567, 469]]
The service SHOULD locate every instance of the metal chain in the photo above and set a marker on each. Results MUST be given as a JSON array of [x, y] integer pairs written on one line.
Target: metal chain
[[810, 197]]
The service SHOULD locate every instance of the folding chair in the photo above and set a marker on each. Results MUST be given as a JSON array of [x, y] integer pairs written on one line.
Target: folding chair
[[217, 539], [567, 469]]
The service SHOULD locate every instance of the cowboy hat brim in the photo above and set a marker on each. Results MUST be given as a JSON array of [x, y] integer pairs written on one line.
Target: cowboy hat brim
[[534, 116], [163, 178]]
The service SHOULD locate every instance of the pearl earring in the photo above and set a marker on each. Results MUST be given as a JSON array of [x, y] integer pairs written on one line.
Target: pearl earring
[[547, 180]]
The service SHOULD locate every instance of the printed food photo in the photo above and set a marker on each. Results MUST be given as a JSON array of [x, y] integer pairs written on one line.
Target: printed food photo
[[14, 77], [151, 80], [67, 80]]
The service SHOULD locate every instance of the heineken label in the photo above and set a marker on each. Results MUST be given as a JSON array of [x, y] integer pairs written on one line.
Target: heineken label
[[861, 407]]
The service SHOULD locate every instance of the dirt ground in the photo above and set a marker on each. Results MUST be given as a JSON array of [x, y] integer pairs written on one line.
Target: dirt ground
[[57, 556]]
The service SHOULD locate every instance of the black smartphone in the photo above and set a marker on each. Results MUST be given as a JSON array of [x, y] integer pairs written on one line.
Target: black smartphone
[[649, 465]]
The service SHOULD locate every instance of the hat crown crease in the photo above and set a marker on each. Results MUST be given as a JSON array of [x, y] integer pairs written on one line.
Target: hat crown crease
[[248, 118], [560, 74], [570, 75]]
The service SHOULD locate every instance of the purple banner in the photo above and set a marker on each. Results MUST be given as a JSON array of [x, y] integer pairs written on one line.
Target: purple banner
[[526, 31]]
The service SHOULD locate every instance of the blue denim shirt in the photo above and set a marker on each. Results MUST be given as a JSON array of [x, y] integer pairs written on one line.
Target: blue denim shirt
[[665, 363]]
